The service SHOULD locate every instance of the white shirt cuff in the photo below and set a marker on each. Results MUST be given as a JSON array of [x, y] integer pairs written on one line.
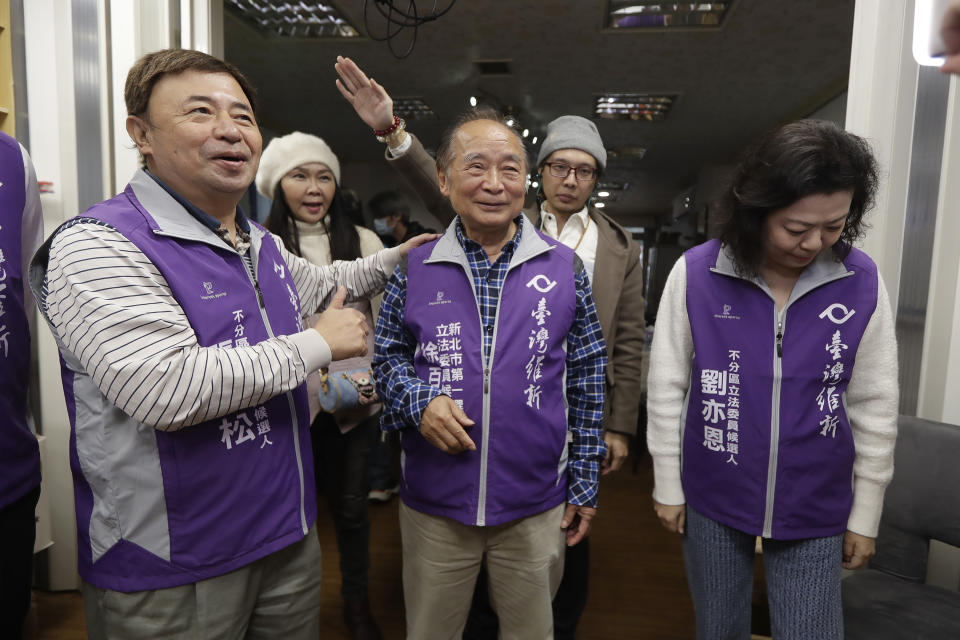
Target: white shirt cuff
[[401, 148], [313, 349]]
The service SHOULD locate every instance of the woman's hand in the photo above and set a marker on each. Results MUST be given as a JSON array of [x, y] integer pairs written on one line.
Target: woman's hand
[[857, 549], [673, 517], [416, 241], [371, 101]]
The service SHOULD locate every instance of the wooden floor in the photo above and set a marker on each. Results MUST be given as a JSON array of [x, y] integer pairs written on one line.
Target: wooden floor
[[637, 586]]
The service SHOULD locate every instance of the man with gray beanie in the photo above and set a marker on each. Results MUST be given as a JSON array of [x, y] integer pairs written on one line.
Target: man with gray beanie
[[571, 159]]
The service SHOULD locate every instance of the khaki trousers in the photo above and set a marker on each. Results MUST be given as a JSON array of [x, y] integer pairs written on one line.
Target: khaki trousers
[[441, 558], [274, 597]]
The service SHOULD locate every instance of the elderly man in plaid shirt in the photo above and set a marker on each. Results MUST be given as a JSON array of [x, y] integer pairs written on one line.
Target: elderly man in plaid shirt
[[490, 362]]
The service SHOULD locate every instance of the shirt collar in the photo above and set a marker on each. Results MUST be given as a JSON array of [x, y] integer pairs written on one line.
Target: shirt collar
[[202, 216], [472, 246], [582, 217]]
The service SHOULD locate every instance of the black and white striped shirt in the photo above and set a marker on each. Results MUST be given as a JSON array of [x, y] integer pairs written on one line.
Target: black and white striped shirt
[[116, 320]]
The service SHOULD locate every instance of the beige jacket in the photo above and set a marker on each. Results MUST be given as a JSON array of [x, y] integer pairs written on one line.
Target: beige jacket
[[617, 288]]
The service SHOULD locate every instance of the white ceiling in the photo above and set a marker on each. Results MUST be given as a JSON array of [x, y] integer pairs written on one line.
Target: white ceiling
[[772, 61]]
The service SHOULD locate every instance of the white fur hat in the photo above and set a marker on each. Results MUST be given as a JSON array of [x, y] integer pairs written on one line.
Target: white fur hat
[[289, 151]]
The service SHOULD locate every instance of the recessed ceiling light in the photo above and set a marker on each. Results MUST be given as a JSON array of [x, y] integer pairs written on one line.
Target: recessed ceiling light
[[294, 19], [473, 101], [599, 205], [633, 106], [412, 109], [603, 194], [656, 14]]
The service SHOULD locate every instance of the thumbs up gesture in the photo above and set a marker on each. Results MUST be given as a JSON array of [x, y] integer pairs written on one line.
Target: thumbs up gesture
[[345, 330]]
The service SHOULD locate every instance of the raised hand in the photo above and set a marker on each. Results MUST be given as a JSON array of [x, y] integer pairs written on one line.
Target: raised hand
[[371, 101]]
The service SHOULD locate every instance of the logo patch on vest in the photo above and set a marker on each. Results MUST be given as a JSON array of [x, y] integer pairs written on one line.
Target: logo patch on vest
[[209, 291], [829, 313], [727, 313], [541, 283], [440, 300]]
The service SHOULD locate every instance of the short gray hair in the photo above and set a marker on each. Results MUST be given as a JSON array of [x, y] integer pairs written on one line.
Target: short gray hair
[[445, 152]]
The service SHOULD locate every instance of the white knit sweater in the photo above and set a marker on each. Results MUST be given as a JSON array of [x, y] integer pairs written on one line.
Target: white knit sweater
[[871, 402]]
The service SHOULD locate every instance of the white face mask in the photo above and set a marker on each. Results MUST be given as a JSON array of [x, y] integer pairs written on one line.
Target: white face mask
[[380, 226]]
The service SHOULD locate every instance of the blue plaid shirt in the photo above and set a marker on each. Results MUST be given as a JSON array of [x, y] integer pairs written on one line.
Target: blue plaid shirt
[[406, 396]]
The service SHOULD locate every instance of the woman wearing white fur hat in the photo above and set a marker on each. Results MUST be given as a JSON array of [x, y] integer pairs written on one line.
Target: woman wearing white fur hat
[[301, 174]]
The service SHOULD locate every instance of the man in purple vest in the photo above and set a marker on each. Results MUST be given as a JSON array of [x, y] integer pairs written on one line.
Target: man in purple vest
[[490, 360], [21, 232], [184, 358]]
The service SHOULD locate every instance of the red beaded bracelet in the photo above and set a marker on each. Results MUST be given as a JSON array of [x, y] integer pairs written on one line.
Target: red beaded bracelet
[[393, 127]]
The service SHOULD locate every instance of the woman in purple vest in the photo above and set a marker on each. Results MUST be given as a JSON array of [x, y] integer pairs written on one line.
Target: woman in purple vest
[[301, 174], [773, 388]]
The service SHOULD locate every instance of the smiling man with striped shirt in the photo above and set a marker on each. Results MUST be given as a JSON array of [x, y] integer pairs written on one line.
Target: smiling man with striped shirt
[[184, 357]]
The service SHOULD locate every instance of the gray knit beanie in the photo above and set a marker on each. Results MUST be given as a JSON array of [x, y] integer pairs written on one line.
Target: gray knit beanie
[[290, 151], [573, 132]]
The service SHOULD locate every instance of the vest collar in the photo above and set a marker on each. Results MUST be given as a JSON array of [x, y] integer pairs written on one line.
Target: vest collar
[[448, 249], [824, 268], [171, 219]]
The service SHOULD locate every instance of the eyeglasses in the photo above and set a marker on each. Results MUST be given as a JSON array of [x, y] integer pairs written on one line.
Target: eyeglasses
[[562, 170]]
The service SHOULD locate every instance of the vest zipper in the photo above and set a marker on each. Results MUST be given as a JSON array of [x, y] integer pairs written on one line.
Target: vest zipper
[[774, 425], [295, 422]]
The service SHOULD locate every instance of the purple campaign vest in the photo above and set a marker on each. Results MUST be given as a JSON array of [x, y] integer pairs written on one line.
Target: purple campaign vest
[[519, 467], [19, 453], [767, 446], [236, 488]]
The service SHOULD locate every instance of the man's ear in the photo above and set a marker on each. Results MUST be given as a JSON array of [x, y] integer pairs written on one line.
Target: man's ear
[[442, 181], [138, 130]]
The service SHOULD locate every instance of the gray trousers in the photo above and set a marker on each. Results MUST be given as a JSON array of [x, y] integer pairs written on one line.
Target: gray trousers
[[803, 582], [274, 597]]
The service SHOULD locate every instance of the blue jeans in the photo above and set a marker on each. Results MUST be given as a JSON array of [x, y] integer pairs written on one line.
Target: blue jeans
[[803, 582]]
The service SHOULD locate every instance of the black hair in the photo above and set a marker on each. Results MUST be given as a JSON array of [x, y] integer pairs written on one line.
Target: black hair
[[387, 203], [800, 159], [344, 239]]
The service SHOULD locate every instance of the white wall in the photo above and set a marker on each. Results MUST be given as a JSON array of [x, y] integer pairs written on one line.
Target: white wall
[[49, 53]]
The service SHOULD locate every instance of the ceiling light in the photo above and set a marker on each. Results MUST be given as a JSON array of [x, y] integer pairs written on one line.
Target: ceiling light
[[412, 109], [510, 122], [526, 132], [603, 194], [633, 106], [534, 141], [473, 101], [535, 184], [294, 20], [656, 14], [599, 205]]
